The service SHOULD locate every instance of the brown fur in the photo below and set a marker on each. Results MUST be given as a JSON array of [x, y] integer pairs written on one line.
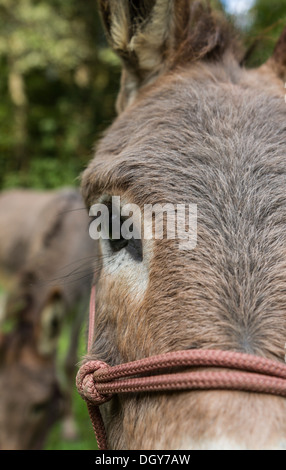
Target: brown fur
[[31, 396], [200, 129]]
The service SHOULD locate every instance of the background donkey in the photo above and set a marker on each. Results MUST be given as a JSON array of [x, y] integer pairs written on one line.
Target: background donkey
[[194, 127], [46, 259]]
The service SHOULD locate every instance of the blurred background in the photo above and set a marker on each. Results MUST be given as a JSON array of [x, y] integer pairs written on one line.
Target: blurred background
[[59, 80], [58, 86]]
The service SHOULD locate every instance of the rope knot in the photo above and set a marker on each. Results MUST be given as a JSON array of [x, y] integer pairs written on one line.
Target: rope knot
[[86, 384]]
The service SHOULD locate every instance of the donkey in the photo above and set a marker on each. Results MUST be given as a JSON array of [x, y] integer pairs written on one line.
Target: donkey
[[46, 259], [32, 398], [194, 126]]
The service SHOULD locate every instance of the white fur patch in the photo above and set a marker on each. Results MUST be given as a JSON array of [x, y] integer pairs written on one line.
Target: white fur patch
[[121, 265]]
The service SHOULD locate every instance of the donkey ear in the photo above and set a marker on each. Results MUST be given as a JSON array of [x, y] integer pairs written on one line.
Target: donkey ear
[[152, 36], [278, 60], [139, 31]]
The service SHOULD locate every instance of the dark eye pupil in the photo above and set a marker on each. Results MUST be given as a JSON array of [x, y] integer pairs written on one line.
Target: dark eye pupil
[[116, 244], [133, 246]]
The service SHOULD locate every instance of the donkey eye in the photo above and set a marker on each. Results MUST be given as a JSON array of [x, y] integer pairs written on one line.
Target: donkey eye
[[132, 245], [116, 244], [119, 232]]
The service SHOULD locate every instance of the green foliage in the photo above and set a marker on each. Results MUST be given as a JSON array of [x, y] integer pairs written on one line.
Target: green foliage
[[58, 86], [267, 20]]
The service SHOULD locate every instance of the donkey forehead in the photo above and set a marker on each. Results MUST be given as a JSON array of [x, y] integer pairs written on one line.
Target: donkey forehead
[[184, 127], [220, 144]]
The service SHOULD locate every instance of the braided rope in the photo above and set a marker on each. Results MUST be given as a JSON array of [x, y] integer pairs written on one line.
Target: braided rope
[[97, 382]]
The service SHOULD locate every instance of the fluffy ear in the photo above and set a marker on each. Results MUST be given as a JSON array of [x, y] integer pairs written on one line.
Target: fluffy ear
[[152, 36], [140, 32], [278, 60]]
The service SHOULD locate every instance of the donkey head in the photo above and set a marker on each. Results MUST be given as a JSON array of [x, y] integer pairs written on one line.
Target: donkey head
[[194, 127], [30, 398]]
